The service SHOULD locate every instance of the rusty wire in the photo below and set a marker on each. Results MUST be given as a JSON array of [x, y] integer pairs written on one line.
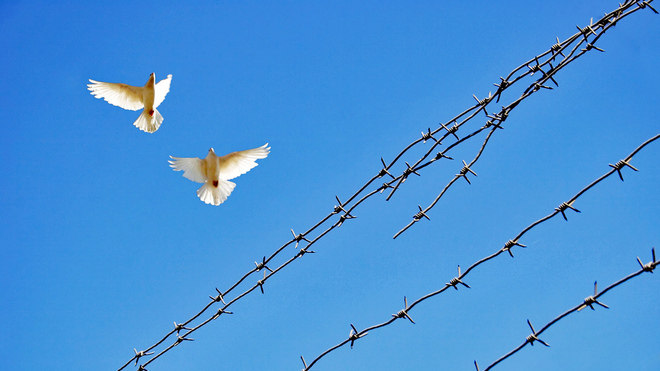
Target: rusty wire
[[589, 301], [455, 281], [584, 41]]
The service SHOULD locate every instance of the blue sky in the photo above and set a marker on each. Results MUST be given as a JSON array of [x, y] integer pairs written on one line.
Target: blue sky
[[104, 246]]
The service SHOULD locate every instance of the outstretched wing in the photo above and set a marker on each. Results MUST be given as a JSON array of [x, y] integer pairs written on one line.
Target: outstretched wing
[[120, 95], [162, 88], [238, 163], [193, 168]]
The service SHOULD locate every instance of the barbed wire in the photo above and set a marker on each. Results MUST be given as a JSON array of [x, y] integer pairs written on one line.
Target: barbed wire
[[589, 301], [496, 120], [455, 281], [586, 36]]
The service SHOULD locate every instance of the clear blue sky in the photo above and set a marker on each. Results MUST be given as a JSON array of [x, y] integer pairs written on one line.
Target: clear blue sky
[[104, 246]]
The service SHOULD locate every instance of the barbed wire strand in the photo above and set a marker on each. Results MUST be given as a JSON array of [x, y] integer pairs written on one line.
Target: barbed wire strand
[[495, 121], [454, 282], [588, 302]]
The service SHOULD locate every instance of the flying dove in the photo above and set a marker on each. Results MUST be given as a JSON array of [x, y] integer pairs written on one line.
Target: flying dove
[[215, 171], [133, 98]]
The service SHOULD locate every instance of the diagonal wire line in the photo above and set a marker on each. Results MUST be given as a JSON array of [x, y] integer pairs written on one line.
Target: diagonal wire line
[[454, 282], [499, 118], [583, 40], [588, 302]]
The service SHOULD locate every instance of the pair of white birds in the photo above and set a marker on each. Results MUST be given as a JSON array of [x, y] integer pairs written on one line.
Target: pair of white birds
[[214, 171]]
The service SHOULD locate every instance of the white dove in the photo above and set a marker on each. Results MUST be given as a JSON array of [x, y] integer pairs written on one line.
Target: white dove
[[149, 96], [215, 171]]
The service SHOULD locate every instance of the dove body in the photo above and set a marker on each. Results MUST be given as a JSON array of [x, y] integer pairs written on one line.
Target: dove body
[[215, 171], [211, 167], [129, 97], [149, 95]]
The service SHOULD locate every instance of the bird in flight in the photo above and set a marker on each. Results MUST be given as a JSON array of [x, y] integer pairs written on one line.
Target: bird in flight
[[215, 171], [133, 98]]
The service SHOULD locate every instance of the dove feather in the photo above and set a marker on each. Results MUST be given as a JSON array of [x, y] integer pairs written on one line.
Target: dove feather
[[121, 95], [240, 162], [193, 168], [162, 88], [215, 195]]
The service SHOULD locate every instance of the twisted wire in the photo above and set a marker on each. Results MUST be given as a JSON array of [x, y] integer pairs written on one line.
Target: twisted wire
[[584, 41], [458, 280], [589, 301]]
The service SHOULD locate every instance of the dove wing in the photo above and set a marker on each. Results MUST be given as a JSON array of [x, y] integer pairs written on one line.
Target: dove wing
[[238, 163], [120, 95], [162, 88], [193, 168]]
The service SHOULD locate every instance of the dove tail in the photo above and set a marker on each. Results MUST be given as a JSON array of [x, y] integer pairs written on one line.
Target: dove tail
[[215, 192], [148, 123]]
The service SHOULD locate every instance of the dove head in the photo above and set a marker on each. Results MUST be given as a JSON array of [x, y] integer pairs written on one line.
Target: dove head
[[211, 155]]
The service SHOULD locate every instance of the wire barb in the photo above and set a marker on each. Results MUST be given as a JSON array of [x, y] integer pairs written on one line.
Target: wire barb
[[619, 165], [261, 282], [451, 130], [220, 312], [354, 335], [565, 206], [589, 301], [343, 218], [179, 326], [421, 214], [591, 46], [428, 135], [384, 170], [218, 298], [409, 170], [650, 266], [384, 187], [464, 171], [404, 312], [557, 48], [139, 354], [497, 119], [485, 101], [533, 337], [304, 251], [298, 238], [180, 339], [339, 207], [262, 265], [440, 155], [456, 280], [511, 243]]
